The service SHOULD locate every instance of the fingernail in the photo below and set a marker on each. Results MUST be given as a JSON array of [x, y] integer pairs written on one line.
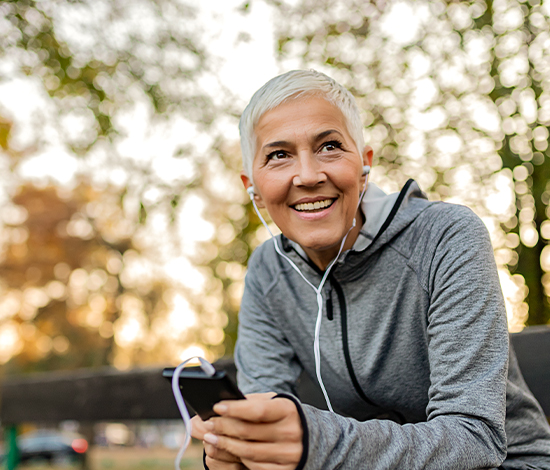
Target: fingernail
[[209, 425], [211, 438], [220, 409]]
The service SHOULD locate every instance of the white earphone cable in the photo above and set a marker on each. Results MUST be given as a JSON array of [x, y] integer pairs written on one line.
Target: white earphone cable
[[318, 290], [209, 370]]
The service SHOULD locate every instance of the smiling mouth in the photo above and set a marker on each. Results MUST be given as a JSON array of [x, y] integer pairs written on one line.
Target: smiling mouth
[[314, 206]]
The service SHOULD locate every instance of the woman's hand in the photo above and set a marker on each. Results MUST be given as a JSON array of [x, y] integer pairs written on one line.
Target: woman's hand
[[197, 428], [216, 459], [262, 432]]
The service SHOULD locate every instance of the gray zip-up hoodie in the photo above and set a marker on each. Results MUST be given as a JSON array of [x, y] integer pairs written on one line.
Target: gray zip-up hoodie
[[414, 345]]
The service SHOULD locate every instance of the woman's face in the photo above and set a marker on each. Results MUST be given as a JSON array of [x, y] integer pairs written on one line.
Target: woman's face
[[308, 175]]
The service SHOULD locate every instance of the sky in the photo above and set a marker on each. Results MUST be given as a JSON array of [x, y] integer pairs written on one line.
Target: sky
[[243, 46], [248, 59]]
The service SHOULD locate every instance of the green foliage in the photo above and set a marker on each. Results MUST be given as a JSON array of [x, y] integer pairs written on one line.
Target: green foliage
[[99, 62], [456, 95], [525, 146], [113, 59]]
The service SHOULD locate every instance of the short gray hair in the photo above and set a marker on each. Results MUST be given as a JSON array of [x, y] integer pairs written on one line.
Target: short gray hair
[[292, 85]]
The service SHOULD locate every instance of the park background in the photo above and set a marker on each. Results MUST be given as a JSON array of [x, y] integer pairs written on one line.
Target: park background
[[124, 228]]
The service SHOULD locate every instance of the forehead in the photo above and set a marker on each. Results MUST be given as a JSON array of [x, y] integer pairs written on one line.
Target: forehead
[[299, 118]]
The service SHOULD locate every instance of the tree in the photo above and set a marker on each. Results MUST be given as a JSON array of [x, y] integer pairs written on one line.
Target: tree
[[80, 288], [520, 70], [108, 73], [455, 94], [113, 73], [65, 284]]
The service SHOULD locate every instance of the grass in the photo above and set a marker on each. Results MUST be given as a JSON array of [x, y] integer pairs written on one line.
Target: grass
[[130, 458]]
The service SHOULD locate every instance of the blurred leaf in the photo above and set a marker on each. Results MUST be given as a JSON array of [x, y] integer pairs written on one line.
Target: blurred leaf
[[142, 213]]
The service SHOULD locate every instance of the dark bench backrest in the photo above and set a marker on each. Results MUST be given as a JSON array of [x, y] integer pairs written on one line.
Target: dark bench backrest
[[532, 348], [110, 395]]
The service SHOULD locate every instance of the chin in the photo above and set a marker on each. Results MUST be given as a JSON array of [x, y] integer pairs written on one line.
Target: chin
[[320, 246]]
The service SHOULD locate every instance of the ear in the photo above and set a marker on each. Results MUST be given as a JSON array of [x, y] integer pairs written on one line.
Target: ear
[[368, 154], [247, 184]]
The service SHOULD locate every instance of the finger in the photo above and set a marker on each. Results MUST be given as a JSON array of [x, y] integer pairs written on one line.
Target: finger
[[265, 452], [286, 430], [219, 454], [213, 464], [198, 429], [261, 396], [257, 410], [251, 465]]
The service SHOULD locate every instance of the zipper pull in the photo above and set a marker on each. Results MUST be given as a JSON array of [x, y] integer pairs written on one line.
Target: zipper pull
[[328, 294]]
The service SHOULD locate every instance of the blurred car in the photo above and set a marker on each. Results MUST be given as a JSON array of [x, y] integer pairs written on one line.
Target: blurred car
[[52, 446]]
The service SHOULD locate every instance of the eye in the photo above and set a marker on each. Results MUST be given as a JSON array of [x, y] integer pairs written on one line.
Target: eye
[[277, 155], [331, 146]]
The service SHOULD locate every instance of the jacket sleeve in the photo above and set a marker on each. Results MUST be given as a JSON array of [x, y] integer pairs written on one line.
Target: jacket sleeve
[[468, 358], [265, 360]]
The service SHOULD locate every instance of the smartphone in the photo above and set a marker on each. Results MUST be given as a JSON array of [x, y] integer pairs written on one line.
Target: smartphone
[[202, 392]]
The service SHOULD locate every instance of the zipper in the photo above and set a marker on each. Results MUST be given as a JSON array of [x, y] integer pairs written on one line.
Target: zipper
[[344, 320], [328, 295]]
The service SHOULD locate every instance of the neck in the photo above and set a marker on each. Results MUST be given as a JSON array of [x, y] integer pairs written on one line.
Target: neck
[[322, 259]]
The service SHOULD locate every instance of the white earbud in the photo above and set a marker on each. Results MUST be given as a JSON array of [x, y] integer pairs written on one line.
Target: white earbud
[[250, 191], [206, 367], [366, 170]]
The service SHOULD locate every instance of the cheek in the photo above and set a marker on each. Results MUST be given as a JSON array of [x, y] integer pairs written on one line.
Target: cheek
[[353, 190], [274, 198], [271, 190], [351, 184]]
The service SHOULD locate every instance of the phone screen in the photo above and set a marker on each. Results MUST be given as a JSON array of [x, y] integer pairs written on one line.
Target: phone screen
[[202, 392]]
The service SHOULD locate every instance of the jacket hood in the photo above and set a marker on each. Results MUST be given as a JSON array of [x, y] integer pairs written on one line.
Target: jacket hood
[[387, 214]]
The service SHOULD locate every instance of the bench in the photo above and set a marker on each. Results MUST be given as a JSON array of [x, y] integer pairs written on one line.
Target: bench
[[106, 394]]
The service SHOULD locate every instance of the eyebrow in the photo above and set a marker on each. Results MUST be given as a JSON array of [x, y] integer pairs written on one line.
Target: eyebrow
[[320, 136], [324, 134], [278, 143]]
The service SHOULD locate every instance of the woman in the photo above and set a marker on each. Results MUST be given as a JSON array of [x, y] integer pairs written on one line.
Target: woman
[[391, 301]]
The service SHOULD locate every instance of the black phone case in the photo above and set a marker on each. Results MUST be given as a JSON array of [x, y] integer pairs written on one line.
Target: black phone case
[[202, 392]]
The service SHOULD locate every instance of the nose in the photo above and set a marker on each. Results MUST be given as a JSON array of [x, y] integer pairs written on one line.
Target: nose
[[309, 172]]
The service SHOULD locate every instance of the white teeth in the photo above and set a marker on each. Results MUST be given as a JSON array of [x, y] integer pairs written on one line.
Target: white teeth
[[311, 206]]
